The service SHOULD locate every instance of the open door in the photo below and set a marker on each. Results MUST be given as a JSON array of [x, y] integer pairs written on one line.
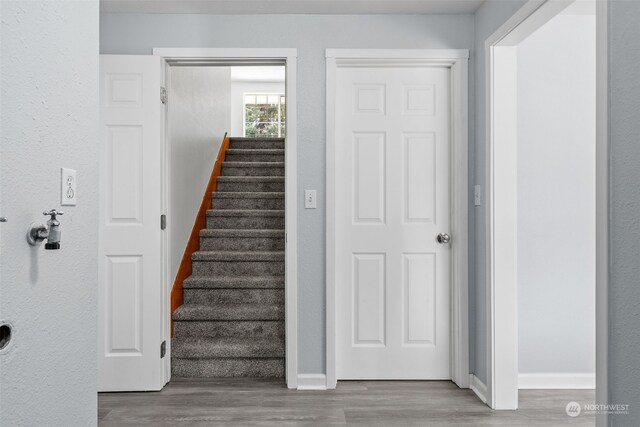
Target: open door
[[130, 288]]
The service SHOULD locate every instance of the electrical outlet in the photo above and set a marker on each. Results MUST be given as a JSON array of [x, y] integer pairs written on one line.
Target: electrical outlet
[[68, 190], [477, 195], [310, 199]]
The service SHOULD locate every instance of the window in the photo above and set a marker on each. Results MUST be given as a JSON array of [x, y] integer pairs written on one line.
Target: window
[[264, 115]]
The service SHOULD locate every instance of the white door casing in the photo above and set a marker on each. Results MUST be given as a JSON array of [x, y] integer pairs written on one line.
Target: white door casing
[[129, 298], [392, 277], [288, 57], [456, 64]]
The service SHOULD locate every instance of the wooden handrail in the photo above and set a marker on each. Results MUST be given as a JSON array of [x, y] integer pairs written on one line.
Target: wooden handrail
[[193, 244]]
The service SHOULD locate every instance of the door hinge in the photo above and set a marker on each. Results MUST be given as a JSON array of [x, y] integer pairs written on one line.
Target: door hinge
[[163, 222], [163, 349], [163, 95]]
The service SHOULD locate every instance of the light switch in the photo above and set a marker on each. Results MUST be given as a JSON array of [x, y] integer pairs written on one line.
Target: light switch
[[476, 195], [68, 193], [310, 199]]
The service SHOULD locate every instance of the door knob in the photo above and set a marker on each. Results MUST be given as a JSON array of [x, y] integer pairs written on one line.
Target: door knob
[[443, 238], [3, 219]]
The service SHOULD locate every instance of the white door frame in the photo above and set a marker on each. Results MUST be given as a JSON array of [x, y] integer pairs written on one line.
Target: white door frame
[[457, 62], [501, 192], [242, 56]]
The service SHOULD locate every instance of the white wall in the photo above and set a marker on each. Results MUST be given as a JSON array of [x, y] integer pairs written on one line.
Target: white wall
[[48, 120], [199, 115], [556, 197], [238, 88]]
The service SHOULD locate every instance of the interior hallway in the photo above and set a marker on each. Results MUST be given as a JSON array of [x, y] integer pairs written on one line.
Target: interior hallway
[[266, 402]]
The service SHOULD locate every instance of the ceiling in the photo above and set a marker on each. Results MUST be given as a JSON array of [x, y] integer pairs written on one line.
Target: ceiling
[[319, 7], [581, 7], [258, 74]]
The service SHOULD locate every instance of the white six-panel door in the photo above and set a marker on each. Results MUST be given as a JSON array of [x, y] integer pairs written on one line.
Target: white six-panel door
[[392, 200], [129, 305]]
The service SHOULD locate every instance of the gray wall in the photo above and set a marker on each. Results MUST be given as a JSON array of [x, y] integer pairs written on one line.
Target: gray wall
[[139, 33], [624, 256], [488, 19], [49, 119]]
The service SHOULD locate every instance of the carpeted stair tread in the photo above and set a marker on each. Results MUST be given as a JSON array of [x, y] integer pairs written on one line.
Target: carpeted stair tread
[[245, 212], [253, 164], [223, 347], [234, 282], [233, 296], [251, 179], [255, 155], [248, 195], [230, 328], [249, 151], [188, 312], [245, 143], [257, 168], [242, 200], [230, 232], [243, 138], [238, 256], [228, 368], [250, 183]]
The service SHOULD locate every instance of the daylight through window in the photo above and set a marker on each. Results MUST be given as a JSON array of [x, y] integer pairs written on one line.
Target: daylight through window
[[264, 115]]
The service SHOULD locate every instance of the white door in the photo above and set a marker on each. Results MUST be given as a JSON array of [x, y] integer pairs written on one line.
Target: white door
[[392, 200], [129, 298]]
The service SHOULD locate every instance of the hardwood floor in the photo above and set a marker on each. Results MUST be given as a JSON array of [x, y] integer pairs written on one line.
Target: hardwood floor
[[259, 402]]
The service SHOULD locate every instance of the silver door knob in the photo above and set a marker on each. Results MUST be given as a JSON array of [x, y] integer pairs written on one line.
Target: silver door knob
[[3, 219], [443, 238]]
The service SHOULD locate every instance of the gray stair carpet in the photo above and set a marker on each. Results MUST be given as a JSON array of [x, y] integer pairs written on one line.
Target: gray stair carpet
[[231, 323]]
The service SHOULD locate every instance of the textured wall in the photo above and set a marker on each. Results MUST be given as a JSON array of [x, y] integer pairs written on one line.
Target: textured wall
[[199, 115], [138, 34], [556, 197], [48, 120], [624, 264]]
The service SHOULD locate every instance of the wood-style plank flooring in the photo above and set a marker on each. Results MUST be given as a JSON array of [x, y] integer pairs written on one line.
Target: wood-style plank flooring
[[259, 402]]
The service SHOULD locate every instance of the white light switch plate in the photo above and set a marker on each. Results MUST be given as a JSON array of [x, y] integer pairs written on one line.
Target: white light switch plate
[[477, 195], [68, 193], [310, 199]]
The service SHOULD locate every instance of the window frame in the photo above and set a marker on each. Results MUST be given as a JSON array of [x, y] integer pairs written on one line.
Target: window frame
[[281, 122]]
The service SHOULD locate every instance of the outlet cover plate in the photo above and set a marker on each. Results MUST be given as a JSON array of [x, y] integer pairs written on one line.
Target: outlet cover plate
[[310, 199], [68, 187]]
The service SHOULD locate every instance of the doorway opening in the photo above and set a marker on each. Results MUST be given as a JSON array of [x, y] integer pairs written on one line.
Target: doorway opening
[[543, 203], [225, 128], [556, 215], [246, 257]]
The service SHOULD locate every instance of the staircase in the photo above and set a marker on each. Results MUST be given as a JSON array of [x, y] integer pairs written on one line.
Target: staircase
[[231, 323]]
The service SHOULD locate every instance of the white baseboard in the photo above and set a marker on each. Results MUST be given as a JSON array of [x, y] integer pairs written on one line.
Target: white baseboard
[[575, 381], [312, 382], [478, 387]]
